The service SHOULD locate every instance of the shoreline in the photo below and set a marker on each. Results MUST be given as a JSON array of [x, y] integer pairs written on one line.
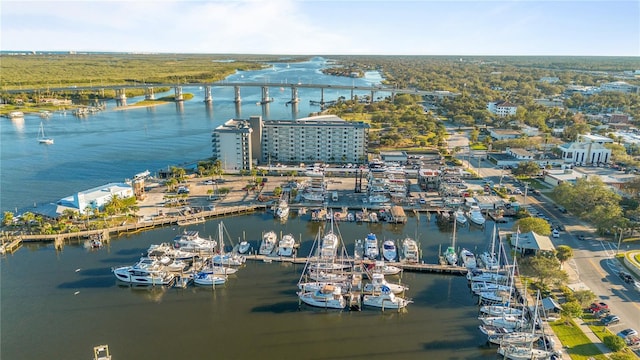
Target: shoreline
[[136, 106]]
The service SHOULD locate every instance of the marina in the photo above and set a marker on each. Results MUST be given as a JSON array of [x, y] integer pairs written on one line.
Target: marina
[[82, 291]]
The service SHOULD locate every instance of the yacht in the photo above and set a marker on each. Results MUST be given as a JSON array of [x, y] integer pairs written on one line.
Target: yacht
[[475, 215], [146, 272], [329, 245], [460, 217], [282, 211], [371, 247], [410, 250], [268, 244], [286, 245], [385, 300], [389, 250], [468, 259], [209, 279], [328, 297], [191, 241], [378, 282]]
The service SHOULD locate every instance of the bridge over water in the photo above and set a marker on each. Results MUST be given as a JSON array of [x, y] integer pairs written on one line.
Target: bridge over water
[[120, 90]]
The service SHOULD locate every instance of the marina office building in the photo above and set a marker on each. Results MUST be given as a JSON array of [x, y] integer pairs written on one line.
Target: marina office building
[[240, 144]]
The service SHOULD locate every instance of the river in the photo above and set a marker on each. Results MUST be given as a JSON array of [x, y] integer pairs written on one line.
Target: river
[[59, 304]]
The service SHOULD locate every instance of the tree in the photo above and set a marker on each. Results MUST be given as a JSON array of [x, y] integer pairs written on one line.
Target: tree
[[7, 219], [613, 342], [572, 309], [545, 269], [528, 168], [537, 225], [584, 297], [564, 253]]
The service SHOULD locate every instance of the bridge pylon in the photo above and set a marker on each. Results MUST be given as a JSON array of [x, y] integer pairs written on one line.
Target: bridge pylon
[[178, 92], [208, 98]]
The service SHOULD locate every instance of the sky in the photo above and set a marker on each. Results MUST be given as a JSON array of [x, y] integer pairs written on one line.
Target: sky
[[308, 27]]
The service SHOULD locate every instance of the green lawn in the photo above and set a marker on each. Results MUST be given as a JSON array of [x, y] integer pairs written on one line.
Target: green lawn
[[575, 341]]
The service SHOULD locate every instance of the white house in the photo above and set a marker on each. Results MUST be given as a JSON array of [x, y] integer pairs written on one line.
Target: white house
[[502, 108], [504, 134], [97, 197], [520, 154], [584, 153]]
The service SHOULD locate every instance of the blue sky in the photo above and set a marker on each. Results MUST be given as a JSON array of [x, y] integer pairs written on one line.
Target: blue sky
[[418, 27]]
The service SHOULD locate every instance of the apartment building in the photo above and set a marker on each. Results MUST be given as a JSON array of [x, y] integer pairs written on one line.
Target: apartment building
[[502, 108], [231, 144]]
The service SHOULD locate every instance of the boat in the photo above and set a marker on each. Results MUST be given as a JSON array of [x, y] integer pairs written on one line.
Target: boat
[[209, 279], [382, 267], [268, 244], [450, 254], [489, 258], [481, 276], [499, 310], [42, 138], [514, 352], [244, 247], [410, 252], [514, 338], [45, 114], [371, 246], [475, 215], [147, 271], [328, 297], [286, 245], [468, 259], [385, 300], [378, 282], [282, 211], [190, 240], [504, 321], [329, 245], [480, 287], [16, 115], [389, 250], [223, 258], [101, 352], [165, 249], [358, 249], [460, 217]]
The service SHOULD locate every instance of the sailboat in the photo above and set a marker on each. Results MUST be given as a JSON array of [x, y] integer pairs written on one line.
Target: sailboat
[[42, 138], [450, 254], [489, 259]]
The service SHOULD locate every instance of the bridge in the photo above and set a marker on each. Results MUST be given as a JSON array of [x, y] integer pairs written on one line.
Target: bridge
[[120, 90]]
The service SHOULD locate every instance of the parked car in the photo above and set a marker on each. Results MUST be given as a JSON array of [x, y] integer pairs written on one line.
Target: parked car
[[209, 182], [602, 313], [627, 333], [610, 320], [595, 307], [555, 233]]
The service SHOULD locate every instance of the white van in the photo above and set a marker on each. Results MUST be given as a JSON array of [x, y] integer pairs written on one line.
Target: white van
[[334, 196]]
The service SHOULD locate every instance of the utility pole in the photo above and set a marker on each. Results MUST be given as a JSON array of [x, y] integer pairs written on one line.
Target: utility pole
[[526, 188], [619, 241]]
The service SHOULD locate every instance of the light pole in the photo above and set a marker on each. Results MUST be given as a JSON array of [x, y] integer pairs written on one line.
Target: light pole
[[526, 188], [619, 241]]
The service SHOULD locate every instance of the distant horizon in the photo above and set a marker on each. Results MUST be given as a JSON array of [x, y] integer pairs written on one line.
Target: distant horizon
[[80, 52], [302, 27]]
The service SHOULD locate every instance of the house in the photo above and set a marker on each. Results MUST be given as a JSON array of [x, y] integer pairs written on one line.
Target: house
[[502, 108], [520, 154], [503, 134], [394, 156], [619, 86], [557, 177], [531, 243]]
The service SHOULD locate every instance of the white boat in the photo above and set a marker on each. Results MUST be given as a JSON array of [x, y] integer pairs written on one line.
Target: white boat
[[209, 279], [460, 217], [244, 247], [480, 287], [378, 199], [329, 245], [378, 282], [494, 297], [489, 258], [328, 297], [371, 246], [16, 115], [389, 250], [499, 310], [282, 211], [313, 196], [42, 138], [268, 244], [165, 249], [147, 271], [385, 269], [450, 255], [504, 321], [513, 338], [385, 300], [410, 252], [514, 352], [223, 258], [286, 245], [480, 276], [475, 215], [191, 241], [468, 259], [327, 276], [358, 249]]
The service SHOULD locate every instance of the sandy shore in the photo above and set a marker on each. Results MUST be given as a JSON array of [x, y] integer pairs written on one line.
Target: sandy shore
[[134, 106]]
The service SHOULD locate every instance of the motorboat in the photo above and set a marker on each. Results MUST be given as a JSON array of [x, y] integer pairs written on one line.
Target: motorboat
[[209, 279], [286, 245], [468, 259], [244, 247], [282, 211], [371, 250], [385, 300], [328, 297], [268, 244], [147, 271], [329, 245], [166, 250], [410, 252], [460, 217], [191, 241], [389, 250], [475, 215], [378, 282]]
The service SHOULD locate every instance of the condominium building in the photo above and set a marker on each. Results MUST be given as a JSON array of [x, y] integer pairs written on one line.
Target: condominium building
[[502, 108], [240, 144], [231, 144]]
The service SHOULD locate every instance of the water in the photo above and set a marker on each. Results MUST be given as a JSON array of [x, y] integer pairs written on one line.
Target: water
[[59, 304]]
